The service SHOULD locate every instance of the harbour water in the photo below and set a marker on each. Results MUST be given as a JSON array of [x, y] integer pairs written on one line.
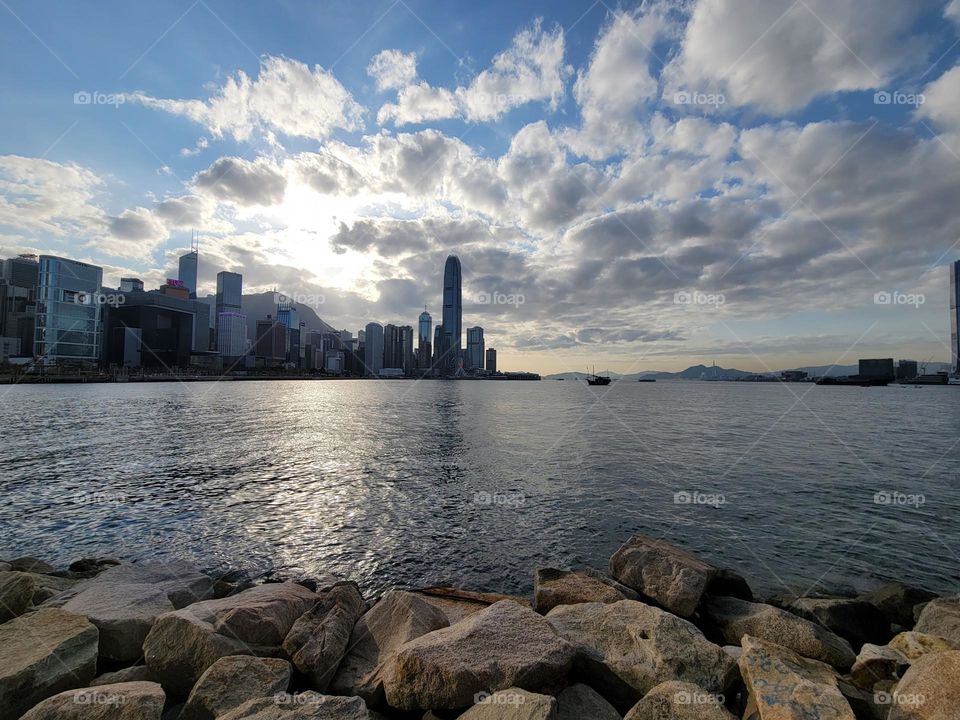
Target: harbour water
[[476, 484]]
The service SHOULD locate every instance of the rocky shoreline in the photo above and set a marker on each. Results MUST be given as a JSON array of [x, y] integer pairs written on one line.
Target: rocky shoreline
[[659, 635]]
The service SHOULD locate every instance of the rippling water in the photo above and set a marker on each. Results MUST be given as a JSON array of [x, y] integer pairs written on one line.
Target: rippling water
[[396, 483]]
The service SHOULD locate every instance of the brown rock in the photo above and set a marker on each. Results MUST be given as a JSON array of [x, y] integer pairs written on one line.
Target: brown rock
[[122, 701], [233, 680], [135, 673], [914, 645], [305, 706], [581, 701], [29, 564], [877, 664], [552, 587], [941, 617], [16, 594], [679, 701], [513, 704], [856, 621], [930, 689]]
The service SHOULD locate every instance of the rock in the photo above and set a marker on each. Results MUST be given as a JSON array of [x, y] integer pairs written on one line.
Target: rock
[[5, 567], [513, 704], [305, 706], [457, 604], [930, 689], [679, 701], [16, 594], [43, 653], [91, 567], [184, 643], [784, 686], [398, 618], [628, 593], [233, 680], [896, 601], [733, 619], [505, 645], [670, 576], [136, 673], [49, 585], [582, 701], [318, 639], [728, 583], [552, 587], [866, 704], [29, 564], [734, 651], [123, 701], [125, 600], [626, 648], [913, 644], [941, 617], [857, 621], [877, 663]]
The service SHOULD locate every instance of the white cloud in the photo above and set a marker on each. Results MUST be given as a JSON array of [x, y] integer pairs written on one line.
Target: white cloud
[[420, 103], [286, 97], [952, 11], [393, 69], [942, 101], [134, 233]]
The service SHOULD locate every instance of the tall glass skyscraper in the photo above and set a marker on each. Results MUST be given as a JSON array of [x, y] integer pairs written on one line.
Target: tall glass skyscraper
[[955, 314], [68, 324], [425, 327], [475, 349], [229, 292], [373, 349], [187, 273], [450, 356]]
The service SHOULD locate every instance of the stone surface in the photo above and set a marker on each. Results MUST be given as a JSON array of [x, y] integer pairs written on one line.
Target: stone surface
[[896, 601], [580, 701], [729, 583], [125, 600], [877, 664], [305, 706], [5, 567], [184, 643], [733, 618], [857, 621], [941, 617], [930, 689], [915, 644], [30, 564], [318, 639], [123, 701], [552, 587], [43, 653], [48, 586], [503, 646], [628, 593], [624, 649], [135, 673], [457, 604], [233, 680], [90, 567], [784, 686], [398, 618], [676, 700], [670, 576], [513, 704], [16, 594]]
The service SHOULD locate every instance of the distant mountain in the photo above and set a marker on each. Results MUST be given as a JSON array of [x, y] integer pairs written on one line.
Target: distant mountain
[[257, 306], [708, 372]]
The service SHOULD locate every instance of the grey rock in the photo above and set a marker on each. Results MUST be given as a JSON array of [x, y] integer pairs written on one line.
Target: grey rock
[[941, 617], [676, 700], [513, 704], [877, 664], [896, 601], [552, 587], [305, 706], [580, 701], [30, 564], [729, 583], [123, 701], [233, 680], [135, 673], [16, 594], [857, 621]]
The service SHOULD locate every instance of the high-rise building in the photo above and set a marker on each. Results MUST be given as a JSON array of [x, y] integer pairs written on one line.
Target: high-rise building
[[405, 349], [271, 341], [373, 349], [18, 303], [391, 346], [452, 316], [425, 328], [231, 336], [491, 360], [128, 284], [187, 273], [437, 345], [68, 322], [955, 314], [475, 349], [229, 292]]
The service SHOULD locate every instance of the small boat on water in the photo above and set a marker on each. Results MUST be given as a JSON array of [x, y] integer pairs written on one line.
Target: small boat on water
[[646, 379], [595, 379]]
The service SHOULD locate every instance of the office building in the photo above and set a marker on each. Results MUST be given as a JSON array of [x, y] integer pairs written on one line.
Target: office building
[[18, 303], [131, 285], [475, 349], [452, 316], [187, 273], [391, 346], [405, 349], [491, 360], [437, 344], [955, 314], [231, 336], [229, 292], [877, 369], [907, 369], [68, 321], [373, 349], [270, 344]]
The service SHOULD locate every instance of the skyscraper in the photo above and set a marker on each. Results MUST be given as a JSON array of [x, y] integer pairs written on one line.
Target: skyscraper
[[475, 357], [373, 349], [452, 316], [187, 273], [391, 346], [229, 292], [68, 324], [231, 336], [955, 314], [18, 302], [405, 348], [425, 327], [491, 360]]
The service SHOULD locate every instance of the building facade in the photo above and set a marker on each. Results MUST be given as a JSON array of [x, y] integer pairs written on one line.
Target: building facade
[[391, 346], [452, 342], [68, 319], [271, 342], [18, 303], [229, 292], [187, 272], [475, 349], [373, 349], [405, 349], [231, 336], [955, 314], [491, 360]]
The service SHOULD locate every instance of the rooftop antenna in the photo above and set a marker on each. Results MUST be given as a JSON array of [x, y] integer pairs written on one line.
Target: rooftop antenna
[[194, 242]]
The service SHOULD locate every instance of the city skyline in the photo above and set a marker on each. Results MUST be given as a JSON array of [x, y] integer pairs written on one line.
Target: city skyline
[[754, 207]]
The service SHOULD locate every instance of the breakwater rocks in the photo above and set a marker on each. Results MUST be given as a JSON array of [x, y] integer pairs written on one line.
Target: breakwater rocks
[[660, 635]]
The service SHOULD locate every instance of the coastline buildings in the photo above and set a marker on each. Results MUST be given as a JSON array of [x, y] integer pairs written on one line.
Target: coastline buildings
[[68, 325], [373, 349], [187, 273], [475, 349], [955, 315], [450, 355]]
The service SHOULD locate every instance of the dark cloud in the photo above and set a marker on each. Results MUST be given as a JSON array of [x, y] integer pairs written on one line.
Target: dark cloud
[[243, 182]]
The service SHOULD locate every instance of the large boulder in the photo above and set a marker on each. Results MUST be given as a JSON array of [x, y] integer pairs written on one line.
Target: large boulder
[[16, 594], [913, 644], [552, 587], [31, 564], [941, 617], [318, 639], [233, 680], [626, 648], [457, 603], [397, 619], [676, 700], [305, 706], [134, 673], [505, 645], [857, 621], [41, 654], [782, 685], [930, 689], [184, 643], [670, 576], [878, 664], [47, 586], [122, 701], [732, 619], [125, 600], [896, 601], [580, 701], [513, 704]]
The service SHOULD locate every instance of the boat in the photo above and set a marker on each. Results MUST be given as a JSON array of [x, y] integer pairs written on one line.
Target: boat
[[646, 379], [854, 380], [595, 379]]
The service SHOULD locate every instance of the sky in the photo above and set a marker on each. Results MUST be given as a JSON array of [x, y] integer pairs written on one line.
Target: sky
[[645, 186]]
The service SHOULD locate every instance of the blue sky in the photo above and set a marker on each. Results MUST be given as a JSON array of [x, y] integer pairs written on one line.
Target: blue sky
[[597, 161]]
